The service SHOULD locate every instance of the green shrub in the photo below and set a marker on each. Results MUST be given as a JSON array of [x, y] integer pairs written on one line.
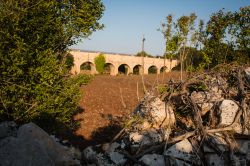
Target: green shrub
[[85, 66], [34, 74], [162, 89], [152, 70], [82, 79], [69, 61], [100, 61]]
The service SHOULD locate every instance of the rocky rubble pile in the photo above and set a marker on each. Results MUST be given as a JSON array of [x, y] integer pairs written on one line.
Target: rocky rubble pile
[[30, 145], [203, 121]]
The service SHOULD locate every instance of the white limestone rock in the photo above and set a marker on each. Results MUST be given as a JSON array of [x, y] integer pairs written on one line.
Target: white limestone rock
[[89, 153], [199, 97], [146, 138], [92, 157], [153, 160], [228, 109], [162, 114], [205, 107], [137, 138], [117, 158], [33, 134], [112, 147], [182, 150], [176, 162], [214, 160], [214, 95], [218, 140], [243, 146], [238, 128]]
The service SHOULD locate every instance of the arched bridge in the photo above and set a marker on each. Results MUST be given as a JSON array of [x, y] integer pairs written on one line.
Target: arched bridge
[[119, 63]]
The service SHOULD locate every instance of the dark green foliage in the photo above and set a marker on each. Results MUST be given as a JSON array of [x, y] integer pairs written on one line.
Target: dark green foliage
[[162, 89], [69, 61], [227, 37], [197, 87], [152, 70], [85, 66], [100, 63], [34, 36], [82, 79], [144, 54], [224, 39]]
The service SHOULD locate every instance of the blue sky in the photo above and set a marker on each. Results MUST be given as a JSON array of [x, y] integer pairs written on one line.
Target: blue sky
[[126, 21]]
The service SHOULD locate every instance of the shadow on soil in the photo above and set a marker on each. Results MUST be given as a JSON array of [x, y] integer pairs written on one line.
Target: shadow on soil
[[99, 136]]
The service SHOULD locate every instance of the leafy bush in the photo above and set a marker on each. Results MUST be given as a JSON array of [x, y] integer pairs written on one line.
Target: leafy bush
[[34, 82], [152, 70], [162, 89], [82, 79], [100, 61], [85, 66], [69, 61]]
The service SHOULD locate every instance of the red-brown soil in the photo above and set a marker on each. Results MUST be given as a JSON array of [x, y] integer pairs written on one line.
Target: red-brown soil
[[108, 97]]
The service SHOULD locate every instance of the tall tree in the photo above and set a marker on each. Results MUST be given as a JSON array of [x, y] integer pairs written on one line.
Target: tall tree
[[185, 26], [171, 40], [228, 37]]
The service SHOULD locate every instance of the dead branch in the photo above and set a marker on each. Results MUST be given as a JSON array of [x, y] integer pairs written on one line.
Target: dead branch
[[123, 103], [117, 136]]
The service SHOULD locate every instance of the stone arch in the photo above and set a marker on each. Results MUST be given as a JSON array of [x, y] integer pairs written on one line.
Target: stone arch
[[87, 68], [163, 69], [109, 68], [124, 69], [152, 70], [137, 69]]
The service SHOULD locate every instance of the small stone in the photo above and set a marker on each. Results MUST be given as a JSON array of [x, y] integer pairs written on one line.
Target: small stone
[[218, 140], [215, 94], [112, 147], [214, 160], [239, 129], [155, 136], [105, 147], [243, 146], [145, 125], [153, 160], [182, 150], [228, 109], [123, 145], [117, 158], [205, 107], [89, 153], [138, 138], [135, 137], [198, 97], [207, 97], [176, 162]]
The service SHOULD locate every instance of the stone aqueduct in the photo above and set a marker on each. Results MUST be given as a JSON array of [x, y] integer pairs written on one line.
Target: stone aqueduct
[[120, 63]]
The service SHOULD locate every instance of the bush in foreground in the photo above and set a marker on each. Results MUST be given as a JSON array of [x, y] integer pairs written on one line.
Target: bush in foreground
[[34, 36]]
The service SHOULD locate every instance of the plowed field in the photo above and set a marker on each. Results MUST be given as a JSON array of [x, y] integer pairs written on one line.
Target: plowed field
[[111, 97]]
